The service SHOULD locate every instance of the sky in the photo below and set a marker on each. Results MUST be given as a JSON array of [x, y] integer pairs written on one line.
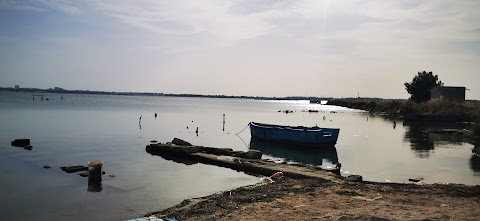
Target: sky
[[276, 48]]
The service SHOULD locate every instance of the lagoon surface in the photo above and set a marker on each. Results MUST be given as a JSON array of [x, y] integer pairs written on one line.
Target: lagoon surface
[[81, 128]]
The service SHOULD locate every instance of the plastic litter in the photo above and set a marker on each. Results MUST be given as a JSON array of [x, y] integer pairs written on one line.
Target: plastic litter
[[277, 175], [266, 180]]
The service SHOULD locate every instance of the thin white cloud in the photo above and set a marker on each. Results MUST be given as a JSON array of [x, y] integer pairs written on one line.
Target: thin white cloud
[[186, 18], [21, 6], [230, 21], [363, 40], [66, 6]]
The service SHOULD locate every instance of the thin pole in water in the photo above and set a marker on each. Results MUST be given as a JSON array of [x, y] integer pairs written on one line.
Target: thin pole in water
[[140, 122]]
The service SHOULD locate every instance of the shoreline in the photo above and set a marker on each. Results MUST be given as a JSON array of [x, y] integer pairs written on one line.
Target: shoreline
[[308, 193], [308, 199]]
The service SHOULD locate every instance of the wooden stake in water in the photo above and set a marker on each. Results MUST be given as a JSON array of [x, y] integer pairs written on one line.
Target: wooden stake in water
[[95, 176], [95, 171], [223, 122]]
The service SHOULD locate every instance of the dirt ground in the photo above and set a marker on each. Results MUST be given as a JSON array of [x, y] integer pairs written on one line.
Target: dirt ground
[[312, 199]]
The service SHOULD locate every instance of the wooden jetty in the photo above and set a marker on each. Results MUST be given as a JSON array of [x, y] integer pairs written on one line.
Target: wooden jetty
[[248, 162]]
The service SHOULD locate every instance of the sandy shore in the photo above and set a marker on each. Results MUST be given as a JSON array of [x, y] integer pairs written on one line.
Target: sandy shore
[[311, 199], [310, 193]]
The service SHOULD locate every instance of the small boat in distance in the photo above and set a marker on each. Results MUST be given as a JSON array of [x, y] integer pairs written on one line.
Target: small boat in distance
[[305, 136]]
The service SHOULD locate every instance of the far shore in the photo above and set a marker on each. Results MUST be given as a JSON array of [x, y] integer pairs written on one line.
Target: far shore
[[64, 91]]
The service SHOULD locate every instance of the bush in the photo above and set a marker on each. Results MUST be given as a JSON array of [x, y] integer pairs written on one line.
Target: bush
[[420, 86]]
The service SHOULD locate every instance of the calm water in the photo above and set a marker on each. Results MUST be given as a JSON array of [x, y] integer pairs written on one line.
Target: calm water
[[81, 128]]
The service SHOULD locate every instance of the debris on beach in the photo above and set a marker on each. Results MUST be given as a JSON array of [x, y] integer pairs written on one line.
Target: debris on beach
[[416, 179], [354, 178], [265, 181], [276, 176]]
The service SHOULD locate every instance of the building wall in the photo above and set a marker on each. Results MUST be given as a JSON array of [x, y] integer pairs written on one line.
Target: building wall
[[450, 93]]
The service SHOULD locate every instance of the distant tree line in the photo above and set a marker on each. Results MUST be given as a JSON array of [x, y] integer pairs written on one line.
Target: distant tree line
[[63, 91]]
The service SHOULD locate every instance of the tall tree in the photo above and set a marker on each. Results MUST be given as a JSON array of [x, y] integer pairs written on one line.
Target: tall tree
[[420, 86]]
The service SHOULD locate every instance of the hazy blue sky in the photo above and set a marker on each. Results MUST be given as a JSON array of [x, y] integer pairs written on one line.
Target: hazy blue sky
[[240, 47]]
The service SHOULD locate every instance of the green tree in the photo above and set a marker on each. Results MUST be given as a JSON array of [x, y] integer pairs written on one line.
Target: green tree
[[420, 87]]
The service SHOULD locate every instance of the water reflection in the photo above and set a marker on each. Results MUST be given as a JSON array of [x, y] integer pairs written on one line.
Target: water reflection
[[424, 136], [475, 165], [94, 186], [445, 138], [314, 156], [172, 157], [419, 140]]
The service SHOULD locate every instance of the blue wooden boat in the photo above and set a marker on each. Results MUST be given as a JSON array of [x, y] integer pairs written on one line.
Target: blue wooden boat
[[308, 136]]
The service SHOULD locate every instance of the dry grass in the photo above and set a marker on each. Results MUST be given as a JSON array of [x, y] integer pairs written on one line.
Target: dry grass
[[469, 109]]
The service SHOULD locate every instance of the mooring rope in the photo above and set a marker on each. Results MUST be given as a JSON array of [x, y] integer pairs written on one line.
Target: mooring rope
[[246, 145], [243, 129]]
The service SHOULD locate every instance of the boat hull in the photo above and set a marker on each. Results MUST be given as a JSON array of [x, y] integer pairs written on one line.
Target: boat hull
[[307, 136]]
